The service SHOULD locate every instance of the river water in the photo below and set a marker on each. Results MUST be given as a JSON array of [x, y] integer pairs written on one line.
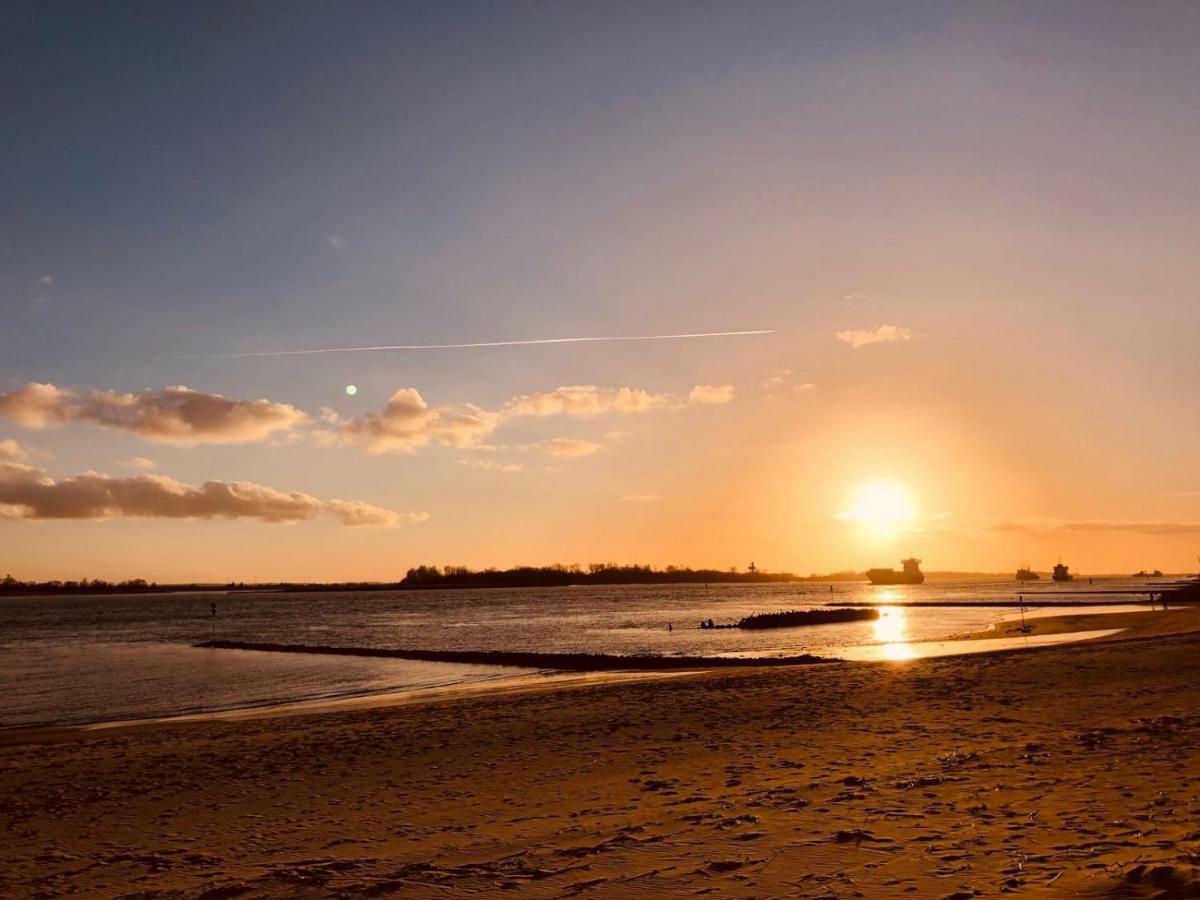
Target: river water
[[77, 659]]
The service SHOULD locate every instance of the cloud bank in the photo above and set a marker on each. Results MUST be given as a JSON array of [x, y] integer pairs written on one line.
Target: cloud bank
[[11, 451], [884, 334], [589, 400], [491, 465], [174, 415], [408, 422], [27, 492], [785, 380], [711, 395], [183, 417], [585, 400], [566, 448], [137, 462]]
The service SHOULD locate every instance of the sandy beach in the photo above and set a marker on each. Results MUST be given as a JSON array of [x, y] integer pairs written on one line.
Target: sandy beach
[[1066, 771]]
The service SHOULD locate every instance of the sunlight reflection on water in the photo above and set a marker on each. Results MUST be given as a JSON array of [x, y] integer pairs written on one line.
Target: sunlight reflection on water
[[891, 630], [91, 658]]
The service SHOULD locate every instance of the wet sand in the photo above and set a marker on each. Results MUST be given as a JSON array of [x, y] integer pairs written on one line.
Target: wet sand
[[1064, 771], [1136, 624]]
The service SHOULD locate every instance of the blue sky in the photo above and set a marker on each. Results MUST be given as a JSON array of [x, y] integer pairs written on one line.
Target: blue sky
[[1014, 184]]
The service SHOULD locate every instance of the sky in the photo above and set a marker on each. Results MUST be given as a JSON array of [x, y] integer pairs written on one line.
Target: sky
[[969, 229]]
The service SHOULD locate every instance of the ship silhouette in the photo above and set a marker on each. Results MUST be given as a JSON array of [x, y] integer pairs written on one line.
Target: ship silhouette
[[911, 574], [1061, 573], [1026, 574]]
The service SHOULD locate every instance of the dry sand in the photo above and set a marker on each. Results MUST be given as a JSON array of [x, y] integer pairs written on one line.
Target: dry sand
[[1066, 771]]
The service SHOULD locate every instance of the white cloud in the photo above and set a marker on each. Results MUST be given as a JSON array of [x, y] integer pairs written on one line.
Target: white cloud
[[778, 378], [567, 447], [586, 400], [11, 451], [408, 422], [27, 492], [711, 394], [46, 279], [356, 513], [336, 242], [491, 465], [174, 415], [137, 462], [883, 334], [183, 417], [782, 381]]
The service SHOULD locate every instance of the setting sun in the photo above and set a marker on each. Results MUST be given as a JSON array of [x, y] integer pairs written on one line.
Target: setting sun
[[886, 505]]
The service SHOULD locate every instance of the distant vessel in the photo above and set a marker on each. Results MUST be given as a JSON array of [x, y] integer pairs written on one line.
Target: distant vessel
[[1061, 573], [1157, 573], [1024, 574], [911, 574]]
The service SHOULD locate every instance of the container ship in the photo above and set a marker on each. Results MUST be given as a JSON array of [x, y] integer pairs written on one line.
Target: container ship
[[910, 574]]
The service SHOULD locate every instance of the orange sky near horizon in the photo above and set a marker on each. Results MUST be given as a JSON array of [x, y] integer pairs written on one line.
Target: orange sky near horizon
[[969, 231]]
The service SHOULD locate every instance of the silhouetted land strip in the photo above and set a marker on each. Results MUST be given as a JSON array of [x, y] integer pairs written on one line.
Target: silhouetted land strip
[[1030, 600], [1149, 589], [569, 662], [1189, 593], [432, 578], [794, 618], [460, 578]]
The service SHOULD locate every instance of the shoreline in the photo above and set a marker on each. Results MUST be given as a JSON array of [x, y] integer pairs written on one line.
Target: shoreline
[[562, 662], [1027, 772], [1120, 629], [500, 688]]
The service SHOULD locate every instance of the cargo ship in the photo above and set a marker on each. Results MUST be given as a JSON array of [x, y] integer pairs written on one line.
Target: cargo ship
[[1061, 573], [910, 574], [1025, 574]]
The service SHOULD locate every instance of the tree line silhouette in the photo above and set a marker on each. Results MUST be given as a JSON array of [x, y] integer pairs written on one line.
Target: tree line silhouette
[[426, 577]]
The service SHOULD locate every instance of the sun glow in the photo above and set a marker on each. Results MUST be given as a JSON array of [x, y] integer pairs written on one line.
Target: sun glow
[[885, 505]]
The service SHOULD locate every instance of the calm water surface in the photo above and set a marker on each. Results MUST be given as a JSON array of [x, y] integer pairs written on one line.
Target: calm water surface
[[70, 660]]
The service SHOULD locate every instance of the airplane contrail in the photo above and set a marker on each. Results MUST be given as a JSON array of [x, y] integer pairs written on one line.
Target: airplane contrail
[[565, 340]]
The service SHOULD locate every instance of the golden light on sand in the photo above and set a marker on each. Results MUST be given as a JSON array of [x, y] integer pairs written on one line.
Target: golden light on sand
[[883, 505]]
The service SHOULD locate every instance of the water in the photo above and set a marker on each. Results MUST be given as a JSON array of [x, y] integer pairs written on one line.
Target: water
[[71, 660]]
